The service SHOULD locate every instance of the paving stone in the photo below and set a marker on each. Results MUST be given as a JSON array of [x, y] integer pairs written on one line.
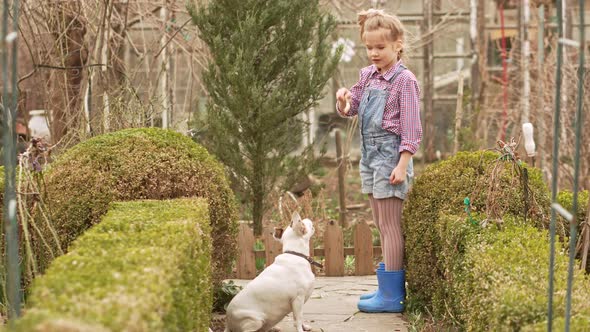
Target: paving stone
[[332, 308]]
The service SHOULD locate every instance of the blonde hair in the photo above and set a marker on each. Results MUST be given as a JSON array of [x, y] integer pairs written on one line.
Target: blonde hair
[[373, 19]]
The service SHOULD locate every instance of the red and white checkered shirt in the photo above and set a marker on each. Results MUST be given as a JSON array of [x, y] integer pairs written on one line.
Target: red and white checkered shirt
[[402, 108]]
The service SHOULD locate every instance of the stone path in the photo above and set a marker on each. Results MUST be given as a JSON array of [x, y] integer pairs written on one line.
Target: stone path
[[332, 308]]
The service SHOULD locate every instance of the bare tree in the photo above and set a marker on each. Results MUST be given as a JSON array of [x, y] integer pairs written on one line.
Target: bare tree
[[94, 64], [541, 108], [69, 56]]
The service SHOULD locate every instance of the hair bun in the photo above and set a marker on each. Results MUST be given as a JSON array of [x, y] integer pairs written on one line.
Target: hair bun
[[364, 15]]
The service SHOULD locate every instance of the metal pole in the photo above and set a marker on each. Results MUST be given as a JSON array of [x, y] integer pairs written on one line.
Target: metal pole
[[428, 6], [565, 84], [165, 66], [556, 134], [541, 93], [578, 128], [504, 76], [474, 55], [526, 86], [13, 287]]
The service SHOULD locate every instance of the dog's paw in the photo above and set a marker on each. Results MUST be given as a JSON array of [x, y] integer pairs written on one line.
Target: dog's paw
[[306, 327], [274, 329]]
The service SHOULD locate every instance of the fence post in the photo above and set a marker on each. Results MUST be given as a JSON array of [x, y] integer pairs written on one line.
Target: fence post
[[363, 249], [341, 174], [272, 247], [334, 250], [246, 259], [312, 254]]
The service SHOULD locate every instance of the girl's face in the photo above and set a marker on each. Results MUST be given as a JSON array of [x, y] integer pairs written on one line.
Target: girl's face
[[380, 49]]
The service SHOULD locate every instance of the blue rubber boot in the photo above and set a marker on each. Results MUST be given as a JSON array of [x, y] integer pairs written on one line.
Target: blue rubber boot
[[391, 294], [370, 295]]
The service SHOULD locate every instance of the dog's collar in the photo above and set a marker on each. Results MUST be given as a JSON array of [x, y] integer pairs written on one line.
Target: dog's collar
[[309, 259]]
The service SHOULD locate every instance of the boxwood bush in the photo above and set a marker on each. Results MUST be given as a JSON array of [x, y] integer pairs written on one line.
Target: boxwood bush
[[2, 246], [146, 163], [579, 323], [497, 279], [145, 267], [566, 197], [441, 188]]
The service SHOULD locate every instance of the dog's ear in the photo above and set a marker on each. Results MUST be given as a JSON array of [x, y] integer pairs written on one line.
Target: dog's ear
[[297, 224], [295, 217]]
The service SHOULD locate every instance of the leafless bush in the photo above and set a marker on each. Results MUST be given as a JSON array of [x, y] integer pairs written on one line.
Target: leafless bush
[[542, 109], [100, 66]]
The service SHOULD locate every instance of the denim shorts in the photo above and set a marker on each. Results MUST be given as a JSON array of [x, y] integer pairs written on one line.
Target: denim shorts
[[380, 155]]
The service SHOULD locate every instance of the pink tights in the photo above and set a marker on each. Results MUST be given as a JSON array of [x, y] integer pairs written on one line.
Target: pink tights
[[387, 214]]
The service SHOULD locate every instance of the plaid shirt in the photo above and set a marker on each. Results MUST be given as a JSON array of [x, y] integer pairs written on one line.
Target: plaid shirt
[[402, 108]]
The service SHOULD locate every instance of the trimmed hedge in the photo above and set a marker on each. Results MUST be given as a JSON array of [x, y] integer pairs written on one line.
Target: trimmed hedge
[[146, 163], [455, 234], [577, 323], [496, 280], [145, 267], [2, 246], [565, 198], [441, 188]]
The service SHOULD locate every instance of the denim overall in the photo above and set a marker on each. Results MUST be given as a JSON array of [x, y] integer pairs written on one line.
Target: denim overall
[[379, 147]]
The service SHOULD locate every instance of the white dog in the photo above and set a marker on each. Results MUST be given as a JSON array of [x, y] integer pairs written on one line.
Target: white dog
[[283, 287]]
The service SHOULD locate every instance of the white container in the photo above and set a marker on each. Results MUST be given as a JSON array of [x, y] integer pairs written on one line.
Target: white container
[[38, 124], [529, 141]]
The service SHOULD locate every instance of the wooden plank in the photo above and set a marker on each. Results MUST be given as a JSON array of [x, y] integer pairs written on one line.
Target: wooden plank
[[341, 178], [363, 249], [272, 247], [246, 259], [334, 248], [377, 251], [356, 206], [314, 269]]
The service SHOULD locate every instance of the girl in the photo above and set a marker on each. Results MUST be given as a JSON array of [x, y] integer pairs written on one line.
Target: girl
[[387, 101]]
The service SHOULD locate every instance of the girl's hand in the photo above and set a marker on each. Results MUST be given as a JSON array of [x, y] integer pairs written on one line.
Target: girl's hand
[[344, 97], [398, 175]]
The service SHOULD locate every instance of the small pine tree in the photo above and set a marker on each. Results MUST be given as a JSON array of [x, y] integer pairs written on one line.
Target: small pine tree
[[270, 60]]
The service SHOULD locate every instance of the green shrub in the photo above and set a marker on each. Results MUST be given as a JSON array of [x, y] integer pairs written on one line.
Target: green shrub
[[496, 280], [3, 271], [454, 233], [3, 258], [577, 324], [441, 188], [145, 267], [565, 198], [138, 164]]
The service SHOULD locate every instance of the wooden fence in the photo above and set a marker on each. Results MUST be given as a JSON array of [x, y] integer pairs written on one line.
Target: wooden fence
[[333, 251]]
